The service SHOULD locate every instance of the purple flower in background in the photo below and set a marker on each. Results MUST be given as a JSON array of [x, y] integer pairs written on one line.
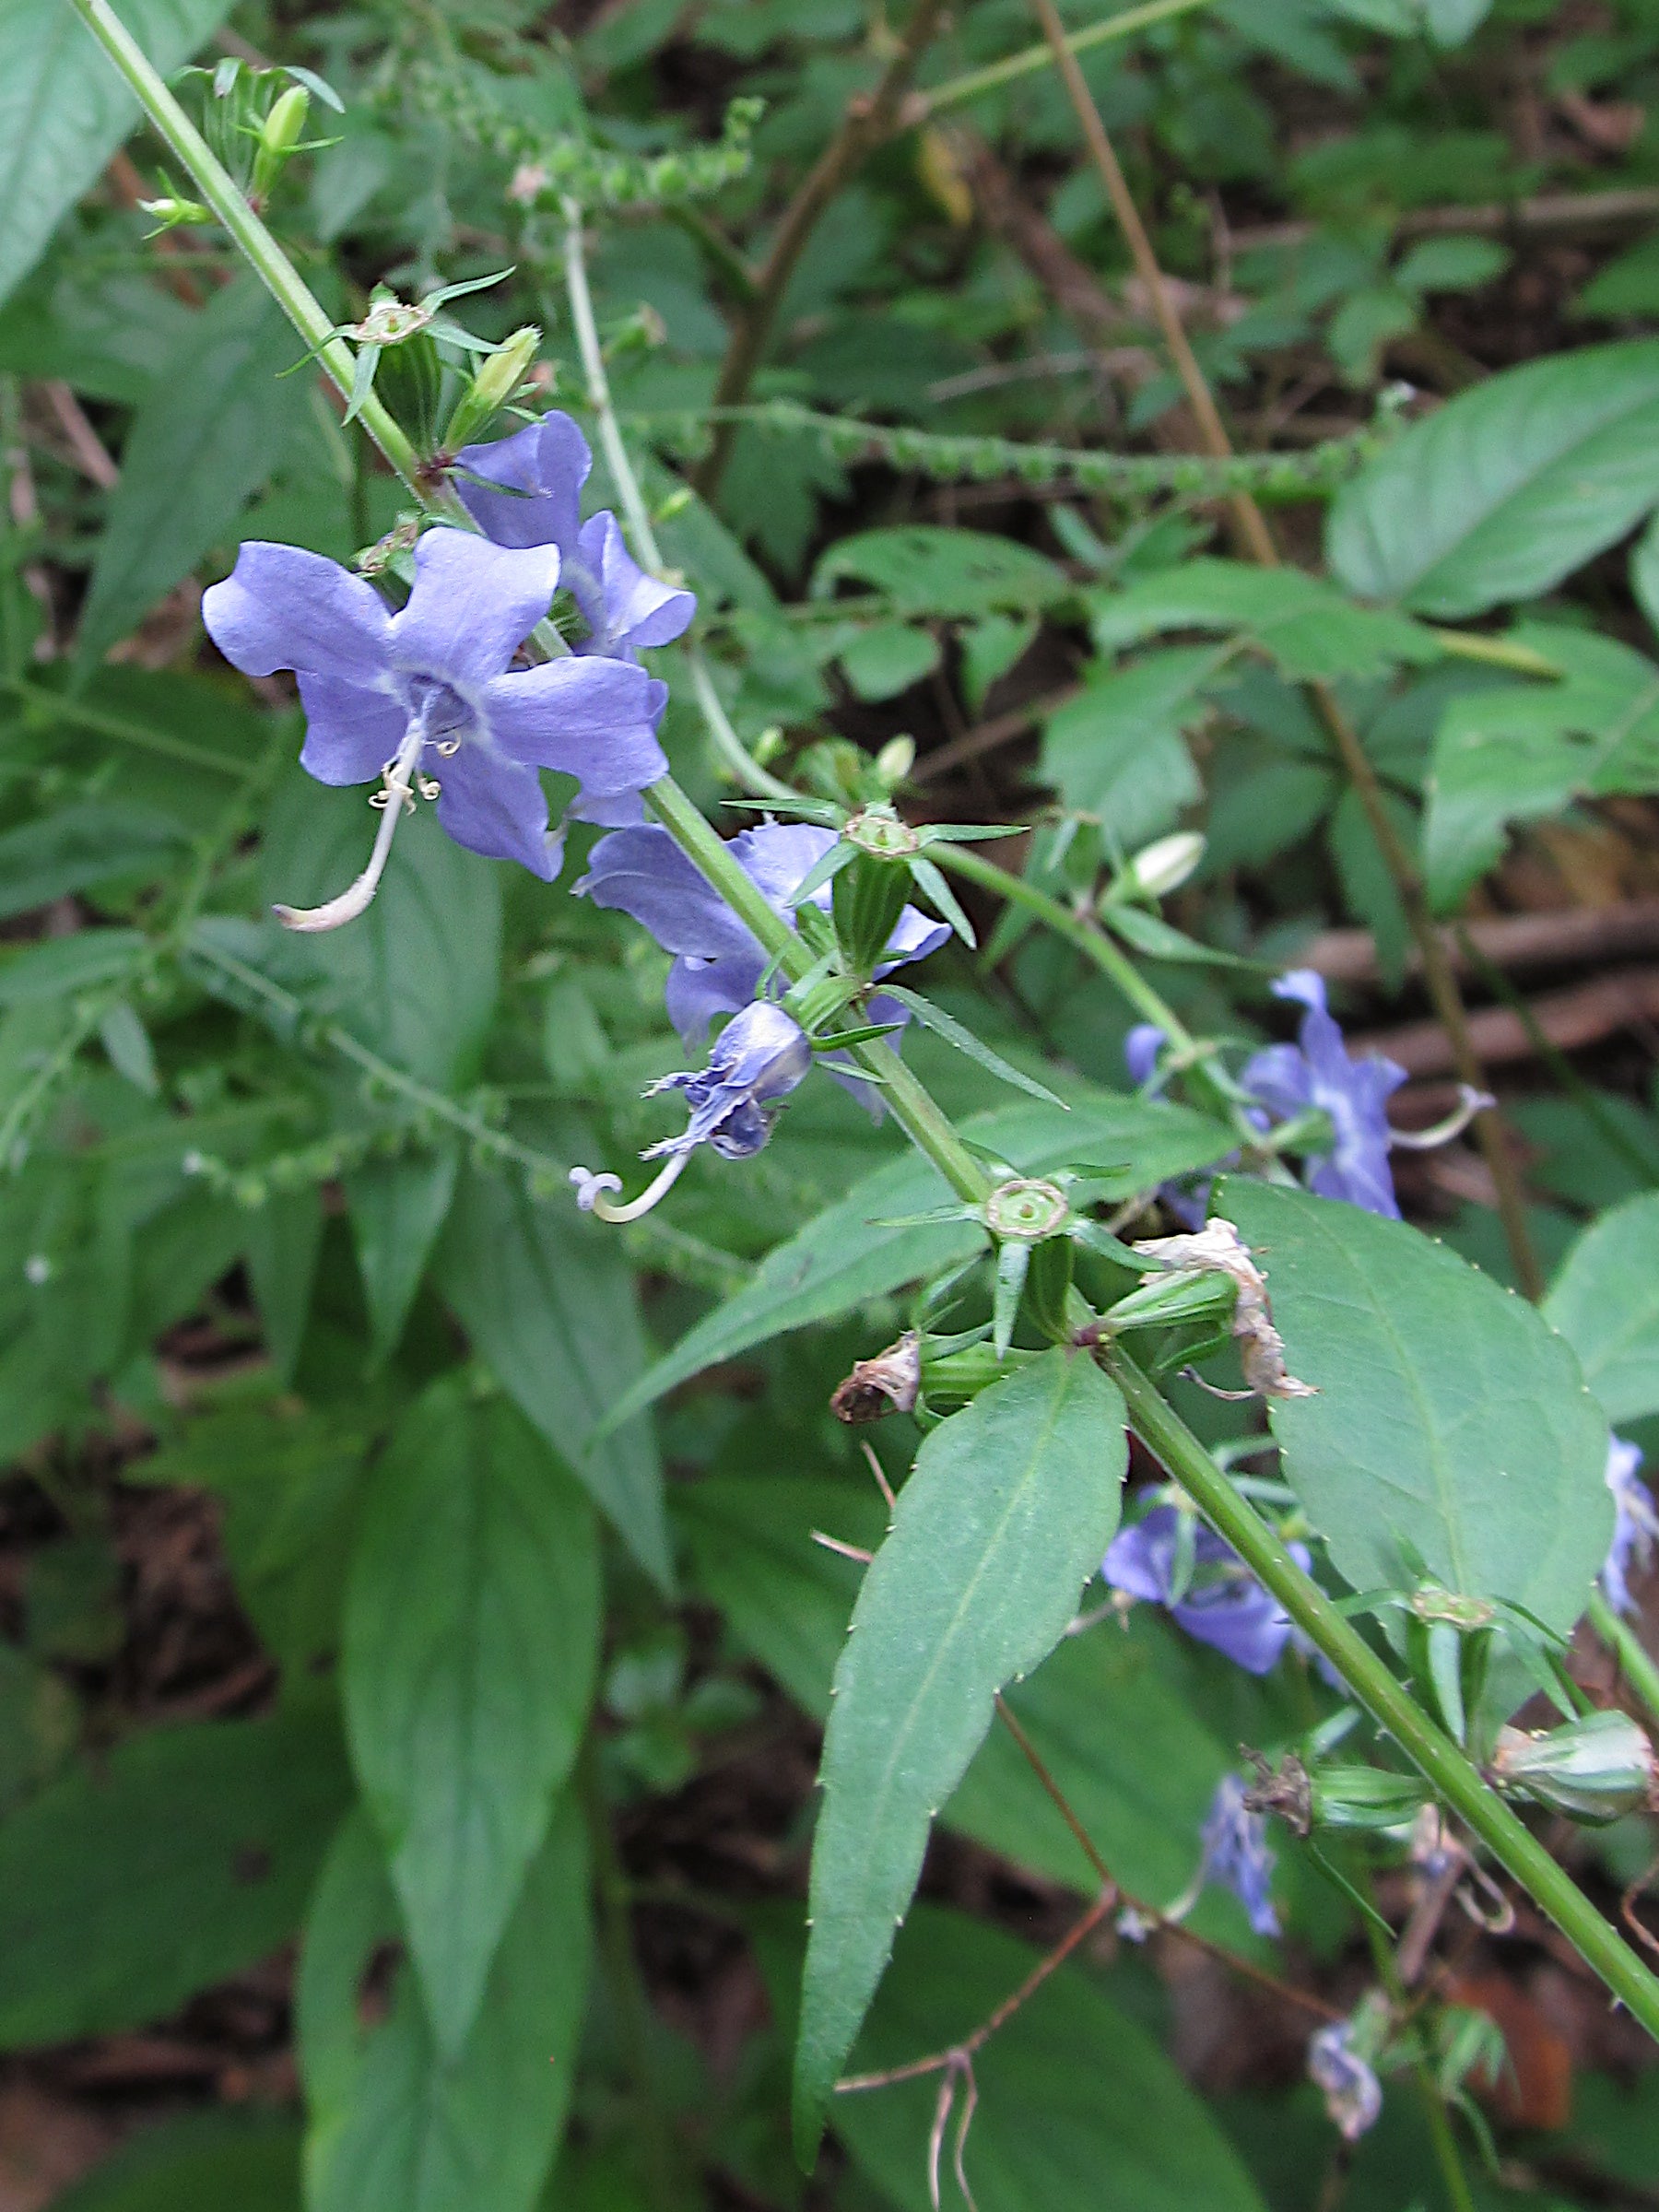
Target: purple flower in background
[[1223, 1604], [1353, 2095], [1317, 1073], [541, 470], [718, 962], [757, 1060], [1635, 1523], [1238, 1854], [1141, 1048], [428, 699]]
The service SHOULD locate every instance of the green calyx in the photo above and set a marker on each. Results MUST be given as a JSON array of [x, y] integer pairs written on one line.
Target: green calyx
[[1026, 1210]]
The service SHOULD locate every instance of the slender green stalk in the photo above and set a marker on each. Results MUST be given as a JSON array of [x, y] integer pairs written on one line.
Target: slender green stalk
[[267, 258], [961, 90], [1438, 1758], [1637, 1667], [63, 706]]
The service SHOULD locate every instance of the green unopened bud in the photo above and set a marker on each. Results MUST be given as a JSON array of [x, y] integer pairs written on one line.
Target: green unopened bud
[[491, 388], [171, 213], [1189, 1294], [1163, 866], [770, 742], [955, 1378], [1366, 1798], [279, 135], [1595, 1769], [894, 762], [676, 503]]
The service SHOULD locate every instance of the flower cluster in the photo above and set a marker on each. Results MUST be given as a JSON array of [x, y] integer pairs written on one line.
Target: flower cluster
[[1315, 1075], [432, 699]]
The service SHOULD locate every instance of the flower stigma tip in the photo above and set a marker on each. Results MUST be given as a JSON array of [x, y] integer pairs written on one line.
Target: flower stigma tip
[[394, 799], [591, 1190]]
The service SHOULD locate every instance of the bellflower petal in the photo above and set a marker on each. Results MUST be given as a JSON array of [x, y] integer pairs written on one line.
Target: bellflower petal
[[282, 607], [758, 1058], [1141, 1048], [493, 806], [542, 469], [1223, 1604], [1238, 1854], [589, 718], [350, 731], [644, 874], [626, 608], [472, 607], [1635, 1523]]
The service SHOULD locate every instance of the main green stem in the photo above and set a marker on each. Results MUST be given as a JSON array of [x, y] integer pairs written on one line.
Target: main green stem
[[917, 1114], [1455, 1780], [1638, 1668]]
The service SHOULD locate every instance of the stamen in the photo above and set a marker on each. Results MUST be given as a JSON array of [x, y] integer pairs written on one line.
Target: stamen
[[1470, 1103], [591, 1190], [353, 901]]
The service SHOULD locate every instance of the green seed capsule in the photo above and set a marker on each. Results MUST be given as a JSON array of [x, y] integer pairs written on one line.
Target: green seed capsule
[[1595, 1769]]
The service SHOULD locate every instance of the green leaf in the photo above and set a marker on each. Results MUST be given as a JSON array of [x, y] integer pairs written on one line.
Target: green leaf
[[1451, 1421], [216, 425], [1079, 2109], [840, 1260], [1152, 934], [1108, 1712], [1451, 264], [931, 571], [63, 111], [1508, 487], [472, 1636], [1605, 1302], [549, 1302], [1305, 625], [1628, 285], [78, 847], [285, 1237], [1117, 751], [946, 1026], [882, 662], [415, 978], [1521, 752], [393, 2127], [62, 967], [398, 1207], [1010, 1507], [221, 1828], [203, 2163]]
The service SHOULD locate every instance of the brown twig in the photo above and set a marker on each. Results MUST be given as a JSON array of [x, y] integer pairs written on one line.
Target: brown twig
[[867, 121], [1570, 1019], [985, 737], [85, 444], [1559, 938], [1549, 214], [1251, 528]]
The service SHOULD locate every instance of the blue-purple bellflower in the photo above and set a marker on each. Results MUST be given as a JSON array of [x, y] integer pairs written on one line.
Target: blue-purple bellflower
[[1238, 1854], [719, 962], [526, 490], [1317, 1073], [1635, 1523], [1353, 2095], [1223, 1604], [427, 700]]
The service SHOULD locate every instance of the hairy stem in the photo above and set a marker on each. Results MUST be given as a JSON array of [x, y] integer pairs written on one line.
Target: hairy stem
[[1454, 1780], [1255, 537], [866, 123]]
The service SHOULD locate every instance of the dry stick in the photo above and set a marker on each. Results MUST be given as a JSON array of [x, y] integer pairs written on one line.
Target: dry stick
[[866, 123], [1252, 530]]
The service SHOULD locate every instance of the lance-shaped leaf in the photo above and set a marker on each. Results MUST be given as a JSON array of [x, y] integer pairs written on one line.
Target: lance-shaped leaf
[[1605, 1302], [1010, 1507], [1451, 1423], [472, 1629]]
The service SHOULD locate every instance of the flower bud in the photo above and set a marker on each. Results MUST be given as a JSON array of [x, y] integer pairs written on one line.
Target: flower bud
[[172, 213], [491, 388], [1594, 1770], [894, 762], [279, 135], [1366, 1798], [1164, 866]]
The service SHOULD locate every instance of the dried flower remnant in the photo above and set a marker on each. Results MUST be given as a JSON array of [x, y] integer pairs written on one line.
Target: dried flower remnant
[[427, 699], [1218, 1247], [888, 1383]]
